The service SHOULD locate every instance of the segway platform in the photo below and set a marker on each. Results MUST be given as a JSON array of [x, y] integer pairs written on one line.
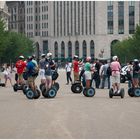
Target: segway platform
[[76, 87], [121, 93]]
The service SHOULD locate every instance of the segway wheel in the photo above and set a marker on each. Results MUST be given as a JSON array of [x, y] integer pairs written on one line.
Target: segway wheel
[[76, 88], [50, 93], [111, 93], [25, 88], [90, 92], [37, 94], [137, 92], [72, 87], [56, 86], [30, 94], [131, 92], [122, 93], [15, 87]]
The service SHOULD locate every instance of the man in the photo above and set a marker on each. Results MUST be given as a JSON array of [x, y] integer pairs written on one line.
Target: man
[[20, 65], [104, 75], [115, 68], [42, 68], [68, 68], [30, 72], [76, 64]]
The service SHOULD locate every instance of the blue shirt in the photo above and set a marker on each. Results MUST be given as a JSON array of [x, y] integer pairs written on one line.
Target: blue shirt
[[30, 66]]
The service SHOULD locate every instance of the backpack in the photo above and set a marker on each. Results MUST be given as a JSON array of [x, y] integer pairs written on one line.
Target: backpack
[[109, 71]]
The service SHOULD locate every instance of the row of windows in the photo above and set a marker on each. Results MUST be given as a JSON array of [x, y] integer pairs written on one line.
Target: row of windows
[[110, 22], [37, 26], [37, 10], [43, 34], [78, 19]]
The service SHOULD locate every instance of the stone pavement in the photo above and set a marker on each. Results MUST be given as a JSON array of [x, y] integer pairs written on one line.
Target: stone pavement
[[68, 115]]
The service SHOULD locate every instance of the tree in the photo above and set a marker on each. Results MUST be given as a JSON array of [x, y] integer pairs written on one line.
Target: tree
[[13, 44], [129, 48]]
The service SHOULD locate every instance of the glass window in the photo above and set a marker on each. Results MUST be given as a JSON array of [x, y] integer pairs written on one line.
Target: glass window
[[121, 17]]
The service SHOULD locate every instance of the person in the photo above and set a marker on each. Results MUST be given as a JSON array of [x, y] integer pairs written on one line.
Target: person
[[7, 74], [104, 75], [130, 73], [96, 74], [42, 68], [52, 64], [48, 74], [136, 71], [68, 68], [30, 73], [87, 73], [76, 64], [20, 65], [115, 76], [34, 60]]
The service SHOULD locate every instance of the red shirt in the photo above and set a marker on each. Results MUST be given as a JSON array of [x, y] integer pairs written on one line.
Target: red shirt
[[20, 65], [75, 66]]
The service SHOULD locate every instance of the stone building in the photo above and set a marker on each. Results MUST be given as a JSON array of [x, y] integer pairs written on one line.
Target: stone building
[[17, 17], [84, 28], [4, 13]]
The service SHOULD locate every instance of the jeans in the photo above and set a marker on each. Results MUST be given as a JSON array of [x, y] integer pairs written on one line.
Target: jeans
[[69, 77], [103, 81]]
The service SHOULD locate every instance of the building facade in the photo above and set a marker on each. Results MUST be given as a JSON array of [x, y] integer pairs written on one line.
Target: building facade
[[17, 17], [84, 28], [4, 13]]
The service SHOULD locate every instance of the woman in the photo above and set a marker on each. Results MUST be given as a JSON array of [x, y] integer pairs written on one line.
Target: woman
[[7, 74]]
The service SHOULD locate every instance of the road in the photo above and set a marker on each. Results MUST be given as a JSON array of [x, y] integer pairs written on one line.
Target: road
[[68, 115]]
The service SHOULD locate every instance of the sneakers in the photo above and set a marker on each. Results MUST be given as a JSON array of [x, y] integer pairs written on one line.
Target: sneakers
[[118, 91]]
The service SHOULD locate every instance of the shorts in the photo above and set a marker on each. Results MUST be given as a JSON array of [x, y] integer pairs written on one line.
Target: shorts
[[76, 76], [31, 79], [42, 74], [48, 77], [20, 76], [88, 75], [115, 79]]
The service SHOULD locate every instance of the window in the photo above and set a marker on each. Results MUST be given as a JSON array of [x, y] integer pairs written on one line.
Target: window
[[121, 17], [110, 17]]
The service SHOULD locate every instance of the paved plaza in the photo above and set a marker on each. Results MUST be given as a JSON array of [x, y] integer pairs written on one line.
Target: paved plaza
[[68, 115]]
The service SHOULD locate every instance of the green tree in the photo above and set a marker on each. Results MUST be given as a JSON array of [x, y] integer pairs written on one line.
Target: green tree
[[13, 44], [129, 48]]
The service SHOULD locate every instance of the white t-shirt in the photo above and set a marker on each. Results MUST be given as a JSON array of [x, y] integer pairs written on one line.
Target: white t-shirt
[[68, 67]]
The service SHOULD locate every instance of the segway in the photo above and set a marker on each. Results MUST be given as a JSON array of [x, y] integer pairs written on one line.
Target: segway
[[89, 92], [50, 93], [134, 92], [77, 87], [30, 94], [2, 84], [17, 87], [121, 93]]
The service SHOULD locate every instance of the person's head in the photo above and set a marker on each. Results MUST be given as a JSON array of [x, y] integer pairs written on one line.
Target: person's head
[[88, 59], [136, 61], [49, 55], [21, 57], [33, 56], [76, 58], [115, 58], [43, 55], [29, 58]]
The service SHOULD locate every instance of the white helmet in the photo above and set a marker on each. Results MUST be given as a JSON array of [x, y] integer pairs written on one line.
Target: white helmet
[[42, 55], [21, 57], [49, 54], [115, 58], [135, 60]]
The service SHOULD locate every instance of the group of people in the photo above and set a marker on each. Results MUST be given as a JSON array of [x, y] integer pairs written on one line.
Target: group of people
[[99, 71], [102, 71], [26, 71]]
